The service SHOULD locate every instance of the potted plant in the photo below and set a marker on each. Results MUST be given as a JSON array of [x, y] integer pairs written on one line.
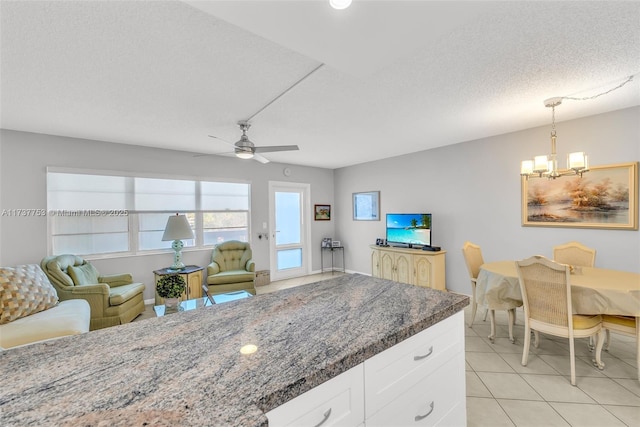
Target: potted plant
[[170, 287]]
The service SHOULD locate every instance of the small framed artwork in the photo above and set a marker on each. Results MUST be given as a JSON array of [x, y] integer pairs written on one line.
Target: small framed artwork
[[604, 197], [322, 212], [366, 206], [336, 244], [326, 242]]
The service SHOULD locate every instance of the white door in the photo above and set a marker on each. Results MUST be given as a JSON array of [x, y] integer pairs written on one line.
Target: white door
[[289, 229]]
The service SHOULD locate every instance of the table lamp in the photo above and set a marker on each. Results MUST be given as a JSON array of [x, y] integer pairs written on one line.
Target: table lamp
[[177, 228]]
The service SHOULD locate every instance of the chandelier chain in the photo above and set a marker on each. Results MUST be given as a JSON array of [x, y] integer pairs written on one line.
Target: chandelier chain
[[586, 98]]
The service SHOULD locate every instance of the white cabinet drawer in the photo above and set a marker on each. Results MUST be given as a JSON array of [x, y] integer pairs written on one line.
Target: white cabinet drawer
[[337, 402], [438, 399], [395, 370]]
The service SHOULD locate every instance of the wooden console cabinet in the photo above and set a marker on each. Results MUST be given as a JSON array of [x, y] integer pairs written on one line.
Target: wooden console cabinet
[[412, 266]]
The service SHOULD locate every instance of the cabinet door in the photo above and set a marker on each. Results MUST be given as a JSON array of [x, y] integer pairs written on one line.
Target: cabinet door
[[387, 265], [423, 270], [403, 268], [375, 263], [194, 284]]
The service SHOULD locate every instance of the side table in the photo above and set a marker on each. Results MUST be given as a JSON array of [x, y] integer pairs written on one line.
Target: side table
[[333, 250], [192, 275]]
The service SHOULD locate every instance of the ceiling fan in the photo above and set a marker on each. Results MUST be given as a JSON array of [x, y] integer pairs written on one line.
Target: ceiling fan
[[245, 149]]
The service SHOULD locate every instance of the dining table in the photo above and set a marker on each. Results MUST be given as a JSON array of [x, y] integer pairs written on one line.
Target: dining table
[[593, 290]]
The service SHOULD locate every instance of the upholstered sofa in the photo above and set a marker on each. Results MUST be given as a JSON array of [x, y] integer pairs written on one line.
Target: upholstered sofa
[[114, 299], [231, 269], [69, 317], [30, 310]]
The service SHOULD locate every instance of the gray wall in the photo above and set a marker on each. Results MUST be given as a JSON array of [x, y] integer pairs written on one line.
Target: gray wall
[[24, 158], [473, 191]]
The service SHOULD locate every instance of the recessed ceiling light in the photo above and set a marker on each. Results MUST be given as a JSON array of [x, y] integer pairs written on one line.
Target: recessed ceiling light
[[340, 4]]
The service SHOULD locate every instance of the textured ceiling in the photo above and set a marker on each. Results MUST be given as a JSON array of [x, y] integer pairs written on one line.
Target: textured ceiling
[[399, 76]]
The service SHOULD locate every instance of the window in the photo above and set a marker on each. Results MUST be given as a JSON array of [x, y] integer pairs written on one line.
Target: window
[[91, 213]]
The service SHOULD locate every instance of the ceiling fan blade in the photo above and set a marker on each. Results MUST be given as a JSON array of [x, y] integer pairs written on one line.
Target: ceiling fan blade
[[260, 159], [223, 140], [226, 153], [273, 148]]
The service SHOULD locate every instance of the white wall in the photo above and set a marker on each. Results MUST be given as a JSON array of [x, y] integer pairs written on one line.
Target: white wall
[[473, 191], [24, 158]]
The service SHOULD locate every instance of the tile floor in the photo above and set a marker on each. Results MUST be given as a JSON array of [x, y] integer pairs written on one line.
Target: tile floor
[[502, 392]]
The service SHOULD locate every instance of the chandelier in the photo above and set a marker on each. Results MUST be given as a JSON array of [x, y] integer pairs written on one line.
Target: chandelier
[[577, 163], [547, 166]]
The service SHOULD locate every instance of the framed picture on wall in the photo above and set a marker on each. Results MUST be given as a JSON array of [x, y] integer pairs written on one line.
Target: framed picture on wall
[[322, 212], [604, 197], [366, 206]]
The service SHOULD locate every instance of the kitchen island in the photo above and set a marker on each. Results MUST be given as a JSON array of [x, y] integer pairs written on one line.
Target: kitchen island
[[187, 368]]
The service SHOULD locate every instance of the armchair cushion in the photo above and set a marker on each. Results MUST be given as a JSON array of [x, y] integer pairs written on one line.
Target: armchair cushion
[[231, 276], [85, 274], [120, 294], [24, 290]]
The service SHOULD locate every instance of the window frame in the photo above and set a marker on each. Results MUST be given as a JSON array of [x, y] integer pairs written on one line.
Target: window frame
[[134, 216]]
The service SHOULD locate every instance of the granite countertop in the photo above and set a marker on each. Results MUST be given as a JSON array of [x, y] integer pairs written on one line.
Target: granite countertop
[[186, 368]]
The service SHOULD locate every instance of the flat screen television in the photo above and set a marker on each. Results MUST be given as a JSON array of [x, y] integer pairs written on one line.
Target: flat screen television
[[411, 229]]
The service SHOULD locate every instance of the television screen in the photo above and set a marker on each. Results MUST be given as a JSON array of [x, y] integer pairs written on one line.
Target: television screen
[[409, 229]]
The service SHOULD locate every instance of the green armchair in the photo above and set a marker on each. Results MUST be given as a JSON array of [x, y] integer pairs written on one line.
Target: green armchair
[[231, 268], [114, 299]]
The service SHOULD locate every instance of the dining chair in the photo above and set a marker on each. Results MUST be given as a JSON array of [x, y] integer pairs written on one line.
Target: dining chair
[[626, 325], [574, 253], [546, 295], [473, 259]]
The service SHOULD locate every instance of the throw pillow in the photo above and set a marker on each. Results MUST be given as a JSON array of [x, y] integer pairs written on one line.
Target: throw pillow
[[85, 274], [24, 290]]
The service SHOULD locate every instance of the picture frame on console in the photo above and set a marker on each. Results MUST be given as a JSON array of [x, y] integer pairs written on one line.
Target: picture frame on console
[[366, 206], [604, 197]]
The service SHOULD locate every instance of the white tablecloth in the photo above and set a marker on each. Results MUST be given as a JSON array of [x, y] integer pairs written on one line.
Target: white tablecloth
[[594, 291]]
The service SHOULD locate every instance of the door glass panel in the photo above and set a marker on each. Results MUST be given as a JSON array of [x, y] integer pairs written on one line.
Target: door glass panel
[[287, 218], [290, 258]]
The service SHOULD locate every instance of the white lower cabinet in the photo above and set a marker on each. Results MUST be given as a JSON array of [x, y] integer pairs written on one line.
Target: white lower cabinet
[[418, 382]]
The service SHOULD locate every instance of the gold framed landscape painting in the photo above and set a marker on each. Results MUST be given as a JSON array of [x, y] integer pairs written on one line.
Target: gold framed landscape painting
[[605, 197]]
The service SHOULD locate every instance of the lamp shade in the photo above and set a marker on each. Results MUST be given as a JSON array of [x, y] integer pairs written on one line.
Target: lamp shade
[[177, 228]]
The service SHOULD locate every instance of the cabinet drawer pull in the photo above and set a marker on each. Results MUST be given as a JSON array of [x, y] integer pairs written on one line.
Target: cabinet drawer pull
[[326, 417], [422, 417], [423, 357]]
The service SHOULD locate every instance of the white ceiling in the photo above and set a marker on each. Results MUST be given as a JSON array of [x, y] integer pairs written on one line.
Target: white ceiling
[[399, 76]]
